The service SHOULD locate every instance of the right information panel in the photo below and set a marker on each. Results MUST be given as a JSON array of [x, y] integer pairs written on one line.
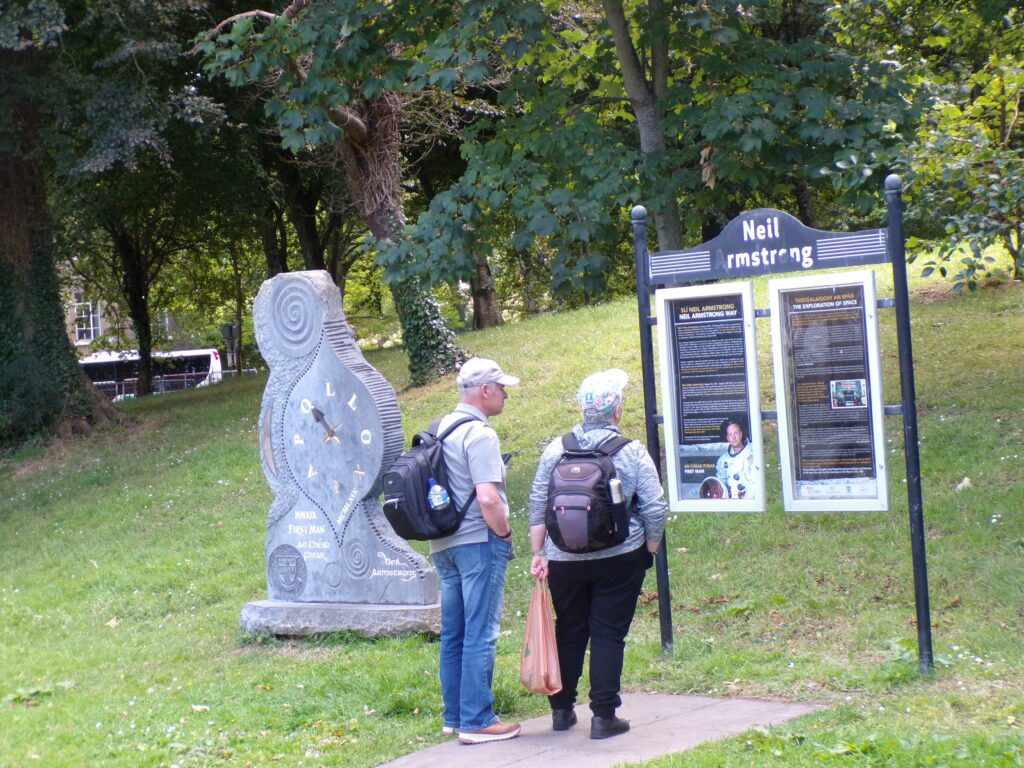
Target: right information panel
[[829, 394]]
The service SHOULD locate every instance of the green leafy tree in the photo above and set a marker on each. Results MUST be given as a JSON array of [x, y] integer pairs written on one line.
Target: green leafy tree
[[964, 164], [216, 283], [751, 101], [143, 151], [42, 388], [127, 226], [340, 74], [969, 161]]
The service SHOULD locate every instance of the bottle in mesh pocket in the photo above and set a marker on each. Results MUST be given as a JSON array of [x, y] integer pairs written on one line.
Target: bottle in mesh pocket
[[615, 489]]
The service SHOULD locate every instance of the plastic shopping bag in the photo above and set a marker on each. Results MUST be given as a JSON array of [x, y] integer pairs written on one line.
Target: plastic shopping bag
[[538, 669]]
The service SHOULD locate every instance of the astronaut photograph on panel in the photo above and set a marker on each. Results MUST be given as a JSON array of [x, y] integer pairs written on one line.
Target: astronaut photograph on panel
[[735, 469]]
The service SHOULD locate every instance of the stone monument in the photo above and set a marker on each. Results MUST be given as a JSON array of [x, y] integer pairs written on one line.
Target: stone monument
[[329, 428]]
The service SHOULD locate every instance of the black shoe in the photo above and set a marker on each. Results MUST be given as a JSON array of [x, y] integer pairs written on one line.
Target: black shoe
[[562, 719], [606, 727]]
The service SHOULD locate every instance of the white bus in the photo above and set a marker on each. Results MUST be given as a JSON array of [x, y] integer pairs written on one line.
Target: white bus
[[116, 374]]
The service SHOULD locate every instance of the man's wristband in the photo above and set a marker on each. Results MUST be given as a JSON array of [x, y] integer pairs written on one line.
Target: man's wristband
[[507, 536], [539, 553]]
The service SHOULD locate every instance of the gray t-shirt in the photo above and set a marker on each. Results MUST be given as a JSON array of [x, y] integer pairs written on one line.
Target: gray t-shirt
[[473, 456]]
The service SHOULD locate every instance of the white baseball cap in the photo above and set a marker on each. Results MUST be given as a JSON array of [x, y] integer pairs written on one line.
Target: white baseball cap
[[478, 371]]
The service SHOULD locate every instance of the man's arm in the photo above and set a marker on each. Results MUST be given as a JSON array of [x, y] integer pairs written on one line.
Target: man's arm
[[492, 509]]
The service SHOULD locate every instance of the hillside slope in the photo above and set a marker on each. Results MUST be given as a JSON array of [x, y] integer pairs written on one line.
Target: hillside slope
[[125, 560]]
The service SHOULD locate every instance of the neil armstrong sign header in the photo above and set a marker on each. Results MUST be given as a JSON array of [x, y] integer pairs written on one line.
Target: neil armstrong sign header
[[768, 241]]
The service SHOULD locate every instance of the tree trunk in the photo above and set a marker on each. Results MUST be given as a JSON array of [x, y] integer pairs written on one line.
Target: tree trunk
[[486, 312], [302, 212], [275, 240], [805, 204], [236, 275], [135, 287], [301, 201], [41, 383], [645, 97], [1013, 241], [342, 254], [374, 180]]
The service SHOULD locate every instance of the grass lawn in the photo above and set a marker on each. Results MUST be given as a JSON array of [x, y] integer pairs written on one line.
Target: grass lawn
[[125, 560]]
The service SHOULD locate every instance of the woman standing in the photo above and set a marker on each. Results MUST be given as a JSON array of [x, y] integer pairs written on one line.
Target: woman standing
[[595, 593]]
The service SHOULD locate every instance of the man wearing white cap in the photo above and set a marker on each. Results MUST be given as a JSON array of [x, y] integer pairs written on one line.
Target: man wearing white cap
[[595, 593], [471, 562]]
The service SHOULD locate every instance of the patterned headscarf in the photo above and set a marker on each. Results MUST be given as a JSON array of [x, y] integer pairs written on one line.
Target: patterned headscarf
[[600, 394]]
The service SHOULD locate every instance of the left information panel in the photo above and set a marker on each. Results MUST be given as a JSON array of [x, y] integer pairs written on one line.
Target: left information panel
[[709, 382]]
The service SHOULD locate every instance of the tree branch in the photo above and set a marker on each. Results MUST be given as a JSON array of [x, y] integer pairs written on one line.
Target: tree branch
[[659, 50], [247, 15], [636, 84], [347, 121], [350, 123], [295, 8]]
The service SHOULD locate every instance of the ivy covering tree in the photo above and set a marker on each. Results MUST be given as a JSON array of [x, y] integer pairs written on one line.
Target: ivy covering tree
[[42, 388]]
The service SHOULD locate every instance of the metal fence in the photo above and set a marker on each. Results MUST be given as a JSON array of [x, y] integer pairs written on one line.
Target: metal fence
[[171, 382]]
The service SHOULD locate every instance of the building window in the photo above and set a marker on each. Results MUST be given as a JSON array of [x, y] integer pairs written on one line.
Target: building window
[[87, 319]]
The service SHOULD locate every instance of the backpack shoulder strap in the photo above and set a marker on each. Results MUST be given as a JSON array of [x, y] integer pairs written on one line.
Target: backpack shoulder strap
[[455, 425], [570, 444], [615, 444], [440, 438], [609, 447]]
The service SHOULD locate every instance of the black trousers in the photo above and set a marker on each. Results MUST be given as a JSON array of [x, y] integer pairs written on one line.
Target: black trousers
[[595, 601]]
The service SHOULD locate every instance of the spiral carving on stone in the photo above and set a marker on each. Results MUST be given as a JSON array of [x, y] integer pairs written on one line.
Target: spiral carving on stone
[[296, 317], [357, 558]]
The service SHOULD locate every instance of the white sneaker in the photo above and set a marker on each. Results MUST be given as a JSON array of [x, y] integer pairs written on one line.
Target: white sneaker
[[448, 730]]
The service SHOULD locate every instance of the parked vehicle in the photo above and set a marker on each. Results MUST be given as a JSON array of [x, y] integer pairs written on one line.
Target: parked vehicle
[[116, 374]]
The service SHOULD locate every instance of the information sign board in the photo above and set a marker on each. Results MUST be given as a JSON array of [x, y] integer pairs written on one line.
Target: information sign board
[[829, 393], [706, 337]]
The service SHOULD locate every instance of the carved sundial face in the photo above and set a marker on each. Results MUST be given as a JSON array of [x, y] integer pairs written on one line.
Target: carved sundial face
[[332, 434]]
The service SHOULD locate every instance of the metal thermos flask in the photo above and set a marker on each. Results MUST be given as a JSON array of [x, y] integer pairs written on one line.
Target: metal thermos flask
[[615, 489]]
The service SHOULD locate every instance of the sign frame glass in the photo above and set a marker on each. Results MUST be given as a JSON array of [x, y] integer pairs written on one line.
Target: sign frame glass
[[840, 393], [691, 320]]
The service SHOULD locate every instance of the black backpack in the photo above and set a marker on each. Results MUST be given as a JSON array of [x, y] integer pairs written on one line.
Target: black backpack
[[406, 484], [581, 516]]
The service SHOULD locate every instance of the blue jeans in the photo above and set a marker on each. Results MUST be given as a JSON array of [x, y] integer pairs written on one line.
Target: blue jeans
[[472, 589]]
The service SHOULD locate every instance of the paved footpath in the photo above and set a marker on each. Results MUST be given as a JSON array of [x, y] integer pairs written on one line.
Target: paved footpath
[[660, 724]]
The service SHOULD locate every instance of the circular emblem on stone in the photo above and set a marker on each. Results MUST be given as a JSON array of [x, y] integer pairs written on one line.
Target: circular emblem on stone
[[287, 571], [296, 317], [357, 558]]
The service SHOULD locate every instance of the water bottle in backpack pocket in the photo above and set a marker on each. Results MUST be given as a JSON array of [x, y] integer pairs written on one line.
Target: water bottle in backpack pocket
[[437, 496]]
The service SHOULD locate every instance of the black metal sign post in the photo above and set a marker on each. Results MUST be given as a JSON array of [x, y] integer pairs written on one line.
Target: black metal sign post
[[767, 241], [893, 195], [643, 298]]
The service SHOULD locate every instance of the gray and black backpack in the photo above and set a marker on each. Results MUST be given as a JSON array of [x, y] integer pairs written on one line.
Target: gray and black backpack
[[581, 516]]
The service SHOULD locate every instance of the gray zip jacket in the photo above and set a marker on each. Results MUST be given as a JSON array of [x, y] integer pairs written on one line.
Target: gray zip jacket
[[633, 466]]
